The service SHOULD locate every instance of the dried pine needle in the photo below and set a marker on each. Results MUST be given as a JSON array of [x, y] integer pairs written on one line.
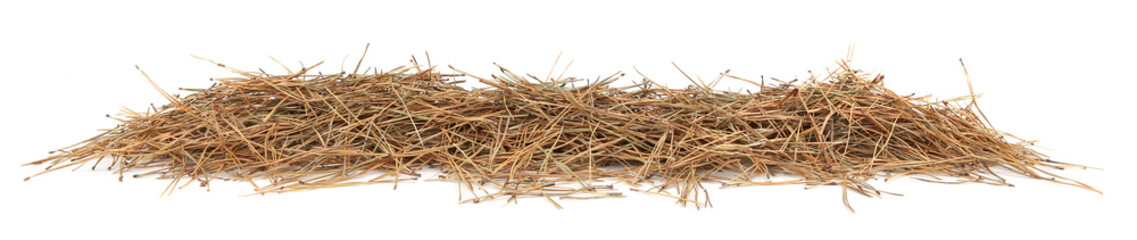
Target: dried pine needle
[[554, 137]]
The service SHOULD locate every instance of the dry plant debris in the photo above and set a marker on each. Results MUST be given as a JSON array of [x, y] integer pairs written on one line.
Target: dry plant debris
[[563, 138]]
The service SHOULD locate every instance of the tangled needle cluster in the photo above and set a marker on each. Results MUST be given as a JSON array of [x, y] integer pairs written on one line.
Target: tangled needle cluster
[[524, 136]]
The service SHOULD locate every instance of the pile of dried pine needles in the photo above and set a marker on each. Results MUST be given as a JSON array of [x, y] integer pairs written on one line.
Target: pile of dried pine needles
[[556, 137]]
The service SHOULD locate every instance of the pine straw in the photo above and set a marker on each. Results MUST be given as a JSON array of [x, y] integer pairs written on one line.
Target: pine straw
[[555, 138]]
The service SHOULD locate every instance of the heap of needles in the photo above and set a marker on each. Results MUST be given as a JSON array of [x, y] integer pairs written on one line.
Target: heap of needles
[[525, 136]]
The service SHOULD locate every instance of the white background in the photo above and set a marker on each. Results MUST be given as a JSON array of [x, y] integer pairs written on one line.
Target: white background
[[1058, 72]]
